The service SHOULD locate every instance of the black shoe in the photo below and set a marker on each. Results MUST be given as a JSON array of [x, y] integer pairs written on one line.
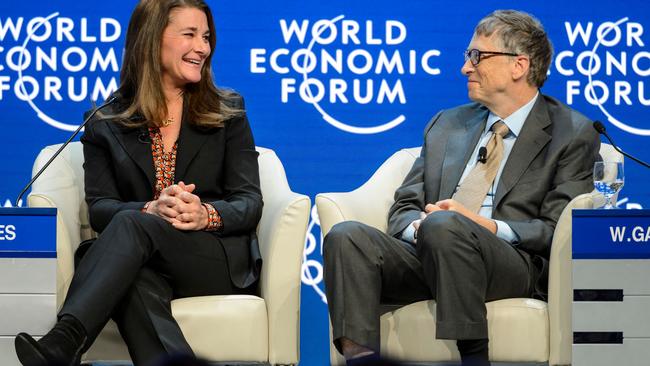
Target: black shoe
[[474, 352], [61, 346], [367, 360]]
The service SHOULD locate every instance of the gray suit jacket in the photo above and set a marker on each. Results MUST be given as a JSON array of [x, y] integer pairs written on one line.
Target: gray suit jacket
[[550, 163]]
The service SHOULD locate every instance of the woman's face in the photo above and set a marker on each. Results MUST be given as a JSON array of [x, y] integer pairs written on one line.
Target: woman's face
[[185, 47]]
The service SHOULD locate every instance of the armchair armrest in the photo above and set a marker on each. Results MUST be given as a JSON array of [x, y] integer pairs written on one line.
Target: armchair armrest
[[281, 231], [64, 248], [560, 293], [61, 187], [370, 202]]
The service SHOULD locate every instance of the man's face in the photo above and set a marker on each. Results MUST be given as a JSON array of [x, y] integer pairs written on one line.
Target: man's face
[[490, 79]]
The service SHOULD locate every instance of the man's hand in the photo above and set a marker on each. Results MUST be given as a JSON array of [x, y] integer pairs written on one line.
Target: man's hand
[[450, 205], [453, 205]]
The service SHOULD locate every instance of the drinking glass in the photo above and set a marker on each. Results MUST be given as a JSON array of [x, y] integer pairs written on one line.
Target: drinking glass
[[608, 180]]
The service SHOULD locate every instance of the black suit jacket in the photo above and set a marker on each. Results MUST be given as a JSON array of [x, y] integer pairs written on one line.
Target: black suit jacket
[[550, 163], [222, 162]]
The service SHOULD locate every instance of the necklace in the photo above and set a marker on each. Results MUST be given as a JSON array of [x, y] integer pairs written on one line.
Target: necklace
[[167, 122]]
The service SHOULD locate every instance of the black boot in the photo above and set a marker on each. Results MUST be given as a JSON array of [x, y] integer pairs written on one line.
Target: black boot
[[473, 352], [61, 346]]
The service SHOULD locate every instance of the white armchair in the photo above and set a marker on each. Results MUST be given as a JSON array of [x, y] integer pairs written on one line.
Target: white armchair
[[520, 330], [246, 328]]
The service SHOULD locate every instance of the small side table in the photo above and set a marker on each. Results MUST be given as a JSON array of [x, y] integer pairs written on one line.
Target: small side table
[[611, 287], [27, 275]]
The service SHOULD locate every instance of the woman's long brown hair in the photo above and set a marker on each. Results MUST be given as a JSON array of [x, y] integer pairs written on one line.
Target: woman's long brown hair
[[140, 79]]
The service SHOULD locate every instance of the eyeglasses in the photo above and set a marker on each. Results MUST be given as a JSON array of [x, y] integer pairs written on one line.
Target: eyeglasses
[[474, 55]]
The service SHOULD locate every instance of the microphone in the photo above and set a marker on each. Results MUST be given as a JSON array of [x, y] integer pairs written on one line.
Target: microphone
[[600, 128], [144, 137], [40, 171], [482, 155]]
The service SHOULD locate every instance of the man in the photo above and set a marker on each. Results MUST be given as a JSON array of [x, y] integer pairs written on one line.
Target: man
[[474, 218]]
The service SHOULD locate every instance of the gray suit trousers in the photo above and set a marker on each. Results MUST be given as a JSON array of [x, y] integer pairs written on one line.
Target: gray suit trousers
[[457, 262]]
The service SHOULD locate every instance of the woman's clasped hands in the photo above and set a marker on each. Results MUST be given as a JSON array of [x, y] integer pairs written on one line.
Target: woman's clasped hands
[[180, 207]]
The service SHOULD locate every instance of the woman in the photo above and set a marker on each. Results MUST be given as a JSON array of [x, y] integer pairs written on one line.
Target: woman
[[172, 186]]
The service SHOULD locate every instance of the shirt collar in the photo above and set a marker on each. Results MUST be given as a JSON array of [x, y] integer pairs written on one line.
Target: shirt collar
[[515, 121]]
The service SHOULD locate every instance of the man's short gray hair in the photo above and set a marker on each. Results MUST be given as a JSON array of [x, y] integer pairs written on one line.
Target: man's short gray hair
[[523, 34]]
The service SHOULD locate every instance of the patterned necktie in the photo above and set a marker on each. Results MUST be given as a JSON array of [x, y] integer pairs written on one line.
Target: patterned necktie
[[475, 186]]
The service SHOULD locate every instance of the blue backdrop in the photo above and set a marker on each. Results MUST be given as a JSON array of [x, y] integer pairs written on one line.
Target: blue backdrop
[[333, 87]]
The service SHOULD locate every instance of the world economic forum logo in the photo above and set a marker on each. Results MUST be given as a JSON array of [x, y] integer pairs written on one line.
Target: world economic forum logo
[[58, 65], [607, 66], [312, 266], [332, 62]]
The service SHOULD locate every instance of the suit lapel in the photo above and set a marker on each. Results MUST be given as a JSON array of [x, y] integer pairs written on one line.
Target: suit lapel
[[190, 142], [140, 152], [530, 142], [460, 144]]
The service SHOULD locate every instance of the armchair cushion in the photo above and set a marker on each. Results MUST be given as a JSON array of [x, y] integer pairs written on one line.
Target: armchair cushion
[[518, 330], [244, 317]]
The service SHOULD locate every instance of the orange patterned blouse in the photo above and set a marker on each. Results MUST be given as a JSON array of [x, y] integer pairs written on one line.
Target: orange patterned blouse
[[165, 166]]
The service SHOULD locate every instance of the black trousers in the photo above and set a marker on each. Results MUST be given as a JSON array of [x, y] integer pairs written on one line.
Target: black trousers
[[457, 262], [137, 265]]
